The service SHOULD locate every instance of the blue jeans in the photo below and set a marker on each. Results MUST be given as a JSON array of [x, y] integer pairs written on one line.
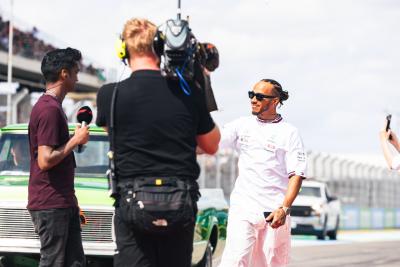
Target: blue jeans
[[59, 232]]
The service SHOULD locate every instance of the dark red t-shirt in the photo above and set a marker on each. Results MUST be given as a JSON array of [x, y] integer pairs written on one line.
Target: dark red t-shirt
[[53, 188]]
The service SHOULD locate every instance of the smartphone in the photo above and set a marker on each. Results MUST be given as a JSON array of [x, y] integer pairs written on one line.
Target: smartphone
[[266, 214], [388, 120]]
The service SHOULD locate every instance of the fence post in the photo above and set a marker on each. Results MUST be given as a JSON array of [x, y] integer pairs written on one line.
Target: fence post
[[218, 170]]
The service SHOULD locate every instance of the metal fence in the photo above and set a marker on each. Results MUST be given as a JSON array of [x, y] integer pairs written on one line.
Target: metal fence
[[354, 182]]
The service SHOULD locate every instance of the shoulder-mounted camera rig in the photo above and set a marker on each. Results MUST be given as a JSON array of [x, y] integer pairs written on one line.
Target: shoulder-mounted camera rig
[[182, 56]]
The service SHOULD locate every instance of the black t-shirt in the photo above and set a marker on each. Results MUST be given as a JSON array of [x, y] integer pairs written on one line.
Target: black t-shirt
[[155, 126]]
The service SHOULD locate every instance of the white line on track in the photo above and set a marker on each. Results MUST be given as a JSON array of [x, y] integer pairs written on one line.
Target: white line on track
[[346, 237]]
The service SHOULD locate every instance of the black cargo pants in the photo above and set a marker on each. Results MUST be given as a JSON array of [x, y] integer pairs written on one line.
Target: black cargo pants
[[59, 232]]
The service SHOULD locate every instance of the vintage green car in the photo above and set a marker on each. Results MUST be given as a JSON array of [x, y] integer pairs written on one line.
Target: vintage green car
[[19, 245]]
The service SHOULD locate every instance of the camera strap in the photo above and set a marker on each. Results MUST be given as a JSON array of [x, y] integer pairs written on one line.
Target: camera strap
[[111, 128]]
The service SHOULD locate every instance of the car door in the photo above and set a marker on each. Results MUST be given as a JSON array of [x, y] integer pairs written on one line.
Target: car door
[[331, 223]]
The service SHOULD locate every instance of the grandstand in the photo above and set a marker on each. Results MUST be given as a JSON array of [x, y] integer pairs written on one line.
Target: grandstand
[[28, 50]]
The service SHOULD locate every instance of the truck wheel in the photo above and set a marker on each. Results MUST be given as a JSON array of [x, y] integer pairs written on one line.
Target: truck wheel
[[322, 234], [206, 261], [3, 261], [333, 234]]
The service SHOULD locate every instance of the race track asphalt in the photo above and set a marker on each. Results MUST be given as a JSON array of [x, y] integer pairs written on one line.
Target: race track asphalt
[[376, 248]]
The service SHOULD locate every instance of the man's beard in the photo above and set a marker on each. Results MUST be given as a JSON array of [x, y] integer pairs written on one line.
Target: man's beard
[[256, 113]]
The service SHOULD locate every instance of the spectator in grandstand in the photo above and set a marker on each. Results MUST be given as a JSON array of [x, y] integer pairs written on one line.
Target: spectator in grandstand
[[3, 35], [3, 43], [387, 137], [26, 44], [272, 164]]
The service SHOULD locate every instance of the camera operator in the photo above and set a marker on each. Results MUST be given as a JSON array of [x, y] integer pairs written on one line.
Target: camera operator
[[157, 128], [387, 137]]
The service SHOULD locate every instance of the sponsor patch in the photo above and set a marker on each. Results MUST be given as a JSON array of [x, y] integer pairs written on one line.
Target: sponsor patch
[[244, 141], [270, 147], [301, 156]]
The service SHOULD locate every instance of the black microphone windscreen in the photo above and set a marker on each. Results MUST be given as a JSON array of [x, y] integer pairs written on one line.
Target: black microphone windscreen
[[84, 115]]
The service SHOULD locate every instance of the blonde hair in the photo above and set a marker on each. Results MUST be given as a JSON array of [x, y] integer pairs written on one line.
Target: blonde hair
[[138, 35]]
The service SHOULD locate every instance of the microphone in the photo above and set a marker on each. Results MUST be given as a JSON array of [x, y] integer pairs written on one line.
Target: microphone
[[84, 116]]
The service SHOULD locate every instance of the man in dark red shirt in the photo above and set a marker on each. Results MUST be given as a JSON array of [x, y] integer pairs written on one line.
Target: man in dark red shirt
[[51, 195]]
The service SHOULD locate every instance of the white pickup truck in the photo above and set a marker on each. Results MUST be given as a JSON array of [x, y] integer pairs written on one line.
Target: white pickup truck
[[315, 211]]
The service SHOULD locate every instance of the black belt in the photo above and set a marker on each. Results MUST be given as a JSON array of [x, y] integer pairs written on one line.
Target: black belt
[[184, 183]]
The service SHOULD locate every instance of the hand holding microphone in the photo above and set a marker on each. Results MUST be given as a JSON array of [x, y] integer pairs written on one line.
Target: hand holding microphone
[[84, 117]]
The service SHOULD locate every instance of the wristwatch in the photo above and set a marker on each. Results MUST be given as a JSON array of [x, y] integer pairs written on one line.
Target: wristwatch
[[286, 210]]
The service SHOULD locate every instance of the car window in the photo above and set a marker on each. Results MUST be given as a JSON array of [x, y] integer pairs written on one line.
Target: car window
[[15, 156], [93, 161], [310, 191]]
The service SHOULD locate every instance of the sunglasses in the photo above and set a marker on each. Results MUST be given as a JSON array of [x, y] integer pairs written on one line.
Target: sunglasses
[[260, 96]]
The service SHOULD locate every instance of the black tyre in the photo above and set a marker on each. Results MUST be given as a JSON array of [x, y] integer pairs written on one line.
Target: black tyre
[[206, 261], [322, 234], [333, 234], [3, 261]]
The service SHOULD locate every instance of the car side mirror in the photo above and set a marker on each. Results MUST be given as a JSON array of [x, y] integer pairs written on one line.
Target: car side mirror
[[332, 198]]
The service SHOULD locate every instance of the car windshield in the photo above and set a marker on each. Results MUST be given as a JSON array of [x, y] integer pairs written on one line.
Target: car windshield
[[310, 191], [15, 158]]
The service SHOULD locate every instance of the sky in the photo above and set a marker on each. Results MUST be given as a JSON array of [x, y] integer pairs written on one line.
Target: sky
[[339, 59]]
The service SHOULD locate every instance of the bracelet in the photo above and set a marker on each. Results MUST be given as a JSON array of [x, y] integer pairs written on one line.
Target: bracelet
[[286, 210]]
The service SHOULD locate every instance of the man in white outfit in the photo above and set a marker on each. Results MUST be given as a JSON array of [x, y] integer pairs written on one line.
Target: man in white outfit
[[272, 164]]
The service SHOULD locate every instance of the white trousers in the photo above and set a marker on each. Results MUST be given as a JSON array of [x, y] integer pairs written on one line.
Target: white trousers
[[251, 242]]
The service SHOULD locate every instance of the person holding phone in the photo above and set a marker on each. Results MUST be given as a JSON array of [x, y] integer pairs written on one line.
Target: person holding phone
[[272, 164], [388, 136]]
